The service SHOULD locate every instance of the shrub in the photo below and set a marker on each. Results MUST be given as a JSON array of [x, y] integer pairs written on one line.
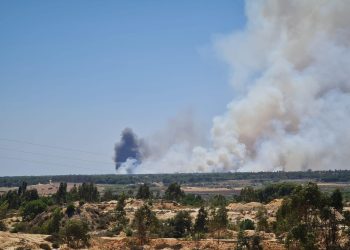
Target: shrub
[[144, 192], [174, 192], [55, 245], [20, 227], [128, 232], [32, 209], [70, 210], [182, 224], [52, 226], [247, 225], [75, 233], [192, 200], [45, 246], [2, 226], [218, 200]]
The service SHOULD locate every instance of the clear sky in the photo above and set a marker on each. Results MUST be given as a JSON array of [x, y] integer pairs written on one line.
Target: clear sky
[[73, 74]]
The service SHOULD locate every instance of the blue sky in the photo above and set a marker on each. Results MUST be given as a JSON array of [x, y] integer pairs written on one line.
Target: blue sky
[[75, 73]]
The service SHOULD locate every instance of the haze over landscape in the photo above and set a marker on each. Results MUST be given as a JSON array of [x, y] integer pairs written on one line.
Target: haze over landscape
[[76, 76], [175, 125]]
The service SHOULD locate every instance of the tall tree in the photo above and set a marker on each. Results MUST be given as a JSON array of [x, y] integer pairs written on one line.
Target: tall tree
[[337, 200], [144, 221], [144, 192], [182, 224], [174, 192], [120, 213], [61, 194], [23, 188], [219, 220], [262, 223], [201, 222]]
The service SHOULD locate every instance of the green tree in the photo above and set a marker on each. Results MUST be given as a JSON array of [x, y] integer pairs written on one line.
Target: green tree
[[242, 240], [306, 217], [346, 222], [3, 209], [182, 224], [218, 201], [143, 192], [144, 222], [61, 194], [255, 242], [88, 192], [70, 210], [22, 189], [174, 192], [120, 214], [201, 222], [13, 199], [53, 224], [32, 209], [219, 220], [73, 193], [108, 195], [247, 224], [75, 233], [30, 195], [337, 200], [248, 194], [192, 200], [262, 223]]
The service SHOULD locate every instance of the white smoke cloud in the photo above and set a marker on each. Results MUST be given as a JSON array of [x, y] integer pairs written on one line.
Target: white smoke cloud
[[290, 68]]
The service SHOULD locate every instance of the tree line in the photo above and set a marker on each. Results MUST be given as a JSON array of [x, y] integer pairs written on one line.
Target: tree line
[[167, 179]]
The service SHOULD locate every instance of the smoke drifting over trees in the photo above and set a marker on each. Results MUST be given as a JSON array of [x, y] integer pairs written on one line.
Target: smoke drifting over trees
[[290, 66]]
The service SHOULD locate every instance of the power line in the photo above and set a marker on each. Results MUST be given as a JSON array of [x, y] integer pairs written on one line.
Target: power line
[[45, 162], [58, 156], [51, 146]]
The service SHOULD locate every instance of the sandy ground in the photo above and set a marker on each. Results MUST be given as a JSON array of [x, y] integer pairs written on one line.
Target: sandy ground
[[170, 243], [11, 241]]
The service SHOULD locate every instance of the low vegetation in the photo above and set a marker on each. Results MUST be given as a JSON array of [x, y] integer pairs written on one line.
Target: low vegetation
[[305, 218]]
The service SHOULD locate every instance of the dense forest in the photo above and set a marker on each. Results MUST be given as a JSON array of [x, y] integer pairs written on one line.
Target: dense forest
[[317, 176]]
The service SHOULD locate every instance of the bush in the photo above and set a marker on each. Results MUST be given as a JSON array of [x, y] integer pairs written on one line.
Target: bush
[[45, 246], [20, 227], [70, 210], [2, 226], [192, 200], [247, 225], [174, 192], [55, 245], [52, 226], [144, 192], [32, 209], [218, 200], [75, 233], [128, 232]]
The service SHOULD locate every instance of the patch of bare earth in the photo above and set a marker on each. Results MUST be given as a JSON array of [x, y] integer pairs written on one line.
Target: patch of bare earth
[[11, 241]]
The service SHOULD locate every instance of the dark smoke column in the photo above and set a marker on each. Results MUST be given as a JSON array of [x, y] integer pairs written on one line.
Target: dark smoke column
[[127, 148]]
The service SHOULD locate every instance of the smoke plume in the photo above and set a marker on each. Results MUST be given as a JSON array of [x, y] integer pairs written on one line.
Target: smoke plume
[[290, 69], [129, 149]]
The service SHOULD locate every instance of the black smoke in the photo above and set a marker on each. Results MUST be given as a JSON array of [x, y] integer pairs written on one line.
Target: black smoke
[[127, 148]]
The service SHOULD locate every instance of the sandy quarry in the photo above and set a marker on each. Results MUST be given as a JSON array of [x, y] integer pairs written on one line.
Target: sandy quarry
[[94, 212]]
